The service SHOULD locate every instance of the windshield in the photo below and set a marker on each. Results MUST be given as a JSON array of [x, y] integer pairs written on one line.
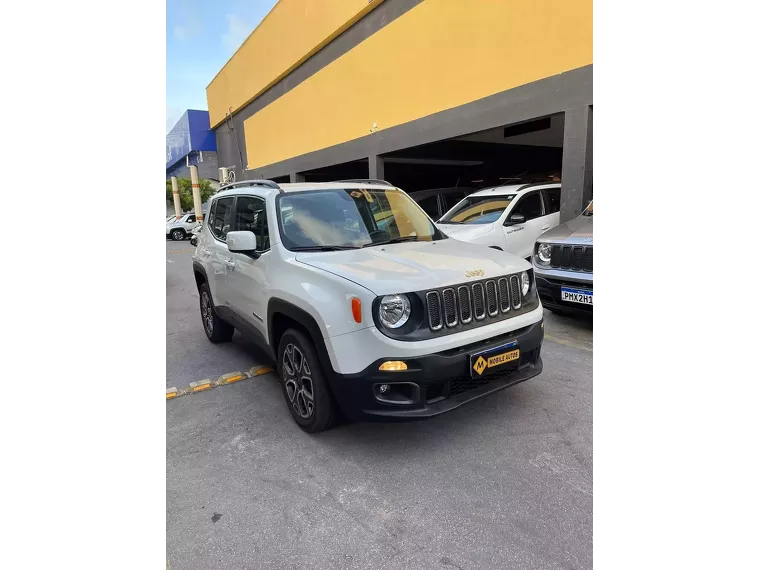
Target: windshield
[[347, 218], [478, 210], [589, 210]]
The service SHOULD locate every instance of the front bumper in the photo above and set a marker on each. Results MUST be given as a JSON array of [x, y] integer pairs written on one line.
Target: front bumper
[[437, 383], [549, 291]]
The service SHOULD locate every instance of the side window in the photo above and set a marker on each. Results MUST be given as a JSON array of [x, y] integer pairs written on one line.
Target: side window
[[530, 206], [191, 219], [251, 217], [220, 221], [429, 205], [553, 200]]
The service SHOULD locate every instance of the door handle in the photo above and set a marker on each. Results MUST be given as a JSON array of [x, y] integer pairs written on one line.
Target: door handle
[[545, 228]]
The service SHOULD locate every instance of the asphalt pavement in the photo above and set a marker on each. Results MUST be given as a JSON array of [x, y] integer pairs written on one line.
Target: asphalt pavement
[[503, 482]]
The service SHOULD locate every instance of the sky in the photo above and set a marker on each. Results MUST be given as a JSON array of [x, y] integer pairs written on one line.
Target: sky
[[201, 36]]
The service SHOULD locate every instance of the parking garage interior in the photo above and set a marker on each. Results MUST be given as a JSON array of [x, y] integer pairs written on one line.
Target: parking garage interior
[[511, 154]]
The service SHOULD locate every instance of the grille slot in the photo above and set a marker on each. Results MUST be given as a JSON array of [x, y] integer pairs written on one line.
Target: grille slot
[[578, 257], [449, 308], [556, 256], [516, 292], [479, 301], [492, 298], [566, 256], [503, 294], [465, 305], [433, 311], [588, 259]]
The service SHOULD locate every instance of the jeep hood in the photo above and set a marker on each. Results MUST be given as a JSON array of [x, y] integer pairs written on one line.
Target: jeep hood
[[465, 232], [578, 231], [415, 266]]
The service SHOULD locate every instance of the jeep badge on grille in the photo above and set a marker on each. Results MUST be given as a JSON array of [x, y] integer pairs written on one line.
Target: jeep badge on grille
[[475, 273]]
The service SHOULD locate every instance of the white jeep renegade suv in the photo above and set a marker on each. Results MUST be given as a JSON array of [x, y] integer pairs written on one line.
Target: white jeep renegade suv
[[364, 304]]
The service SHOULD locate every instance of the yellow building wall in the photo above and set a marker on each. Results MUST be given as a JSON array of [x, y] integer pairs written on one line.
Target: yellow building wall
[[440, 54], [289, 34]]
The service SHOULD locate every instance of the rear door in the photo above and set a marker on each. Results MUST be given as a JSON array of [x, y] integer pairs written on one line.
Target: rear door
[[552, 200], [521, 237]]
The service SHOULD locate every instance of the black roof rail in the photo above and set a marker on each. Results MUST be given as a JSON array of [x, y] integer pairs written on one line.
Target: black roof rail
[[531, 184], [368, 180], [265, 183]]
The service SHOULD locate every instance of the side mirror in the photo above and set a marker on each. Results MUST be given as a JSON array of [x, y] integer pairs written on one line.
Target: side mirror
[[516, 219], [242, 242]]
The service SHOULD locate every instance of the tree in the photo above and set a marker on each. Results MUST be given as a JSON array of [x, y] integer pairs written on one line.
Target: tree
[[185, 192]]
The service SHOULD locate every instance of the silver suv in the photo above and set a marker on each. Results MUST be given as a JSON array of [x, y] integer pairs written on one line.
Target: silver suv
[[563, 262]]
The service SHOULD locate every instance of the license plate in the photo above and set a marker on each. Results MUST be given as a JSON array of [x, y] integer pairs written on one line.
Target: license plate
[[577, 296], [493, 360]]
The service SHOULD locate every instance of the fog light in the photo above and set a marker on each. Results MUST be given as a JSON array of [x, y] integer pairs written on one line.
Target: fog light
[[384, 388], [393, 366]]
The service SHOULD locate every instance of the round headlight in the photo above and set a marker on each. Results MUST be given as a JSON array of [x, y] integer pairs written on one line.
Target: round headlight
[[394, 310], [544, 253], [525, 283]]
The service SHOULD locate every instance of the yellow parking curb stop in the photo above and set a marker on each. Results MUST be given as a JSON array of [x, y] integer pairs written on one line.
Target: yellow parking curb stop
[[172, 393], [258, 370], [201, 385], [231, 377]]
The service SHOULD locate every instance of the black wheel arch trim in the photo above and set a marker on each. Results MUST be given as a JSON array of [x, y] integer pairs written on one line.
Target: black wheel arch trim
[[304, 318], [197, 267]]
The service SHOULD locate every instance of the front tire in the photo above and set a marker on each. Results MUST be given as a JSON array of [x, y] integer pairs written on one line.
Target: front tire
[[178, 234], [303, 383], [216, 330]]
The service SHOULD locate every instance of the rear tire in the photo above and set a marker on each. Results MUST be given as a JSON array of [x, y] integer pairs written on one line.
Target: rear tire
[[304, 384], [178, 234], [216, 329]]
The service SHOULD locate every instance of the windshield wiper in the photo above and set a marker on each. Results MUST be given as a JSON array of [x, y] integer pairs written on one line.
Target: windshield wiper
[[393, 240], [323, 248]]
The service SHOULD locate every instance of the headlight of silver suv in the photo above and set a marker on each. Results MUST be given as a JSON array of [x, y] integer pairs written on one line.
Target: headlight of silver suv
[[394, 310], [544, 253], [525, 283]]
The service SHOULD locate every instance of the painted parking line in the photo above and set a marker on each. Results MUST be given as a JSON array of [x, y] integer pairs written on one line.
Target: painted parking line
[[223, 380]]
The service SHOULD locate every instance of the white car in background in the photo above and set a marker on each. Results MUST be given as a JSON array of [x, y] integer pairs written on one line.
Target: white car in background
[[509, 218], [178, 230]]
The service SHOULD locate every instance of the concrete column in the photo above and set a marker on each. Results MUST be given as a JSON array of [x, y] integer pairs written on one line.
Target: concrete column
[[196, 193], [297, 177], [177, 201], [577, 162], [376, 167]]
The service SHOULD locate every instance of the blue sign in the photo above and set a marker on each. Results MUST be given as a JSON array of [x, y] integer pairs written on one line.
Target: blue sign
[[191, 133]]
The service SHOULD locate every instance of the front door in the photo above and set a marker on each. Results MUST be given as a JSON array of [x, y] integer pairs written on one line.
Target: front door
[[215, 251], [521, 237], [246, 279]]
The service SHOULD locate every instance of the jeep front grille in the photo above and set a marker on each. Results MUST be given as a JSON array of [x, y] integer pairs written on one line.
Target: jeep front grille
[[460, 305], [572, 257]]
